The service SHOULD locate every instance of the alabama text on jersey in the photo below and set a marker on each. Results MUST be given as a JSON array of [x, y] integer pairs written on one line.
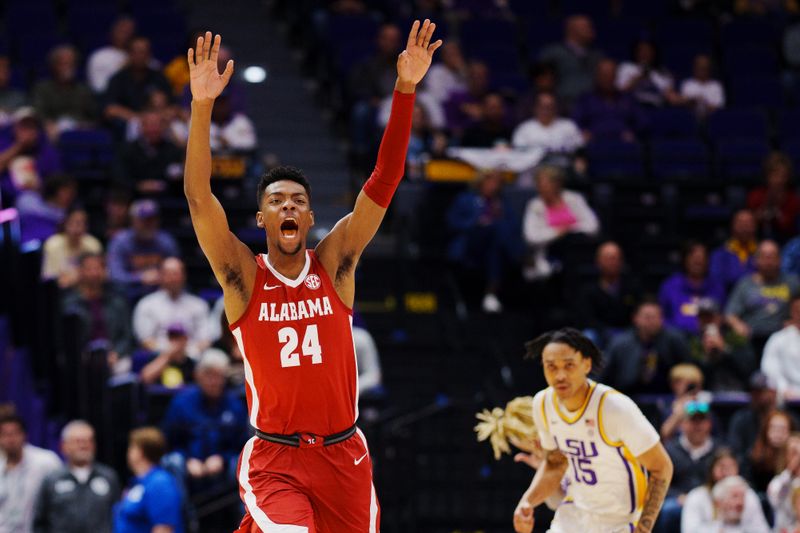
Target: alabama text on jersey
[[297, 343]]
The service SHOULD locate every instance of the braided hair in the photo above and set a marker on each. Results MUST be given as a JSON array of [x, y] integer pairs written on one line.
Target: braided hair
[[569, 336]]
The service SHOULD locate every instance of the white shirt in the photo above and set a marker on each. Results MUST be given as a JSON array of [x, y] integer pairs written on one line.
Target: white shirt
[[779, 494], [538, 232], [562, 135], [369, 365], [424, 99], [441, 82], [710, 93], [629, 71], [237, 134], [698, 512], [81, 473], [156, 312], [58, 258], [781, 362], [102, 65], [20, 485]]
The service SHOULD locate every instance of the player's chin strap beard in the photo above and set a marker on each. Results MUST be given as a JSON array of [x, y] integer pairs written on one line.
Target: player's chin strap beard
[[295, 252]]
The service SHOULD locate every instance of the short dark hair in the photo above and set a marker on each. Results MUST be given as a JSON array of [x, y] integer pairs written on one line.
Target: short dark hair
[[689, 247], [90, 255], [55, 183], [14, 418], [569, 336], [282, 173], [647, 300], [151, 442]]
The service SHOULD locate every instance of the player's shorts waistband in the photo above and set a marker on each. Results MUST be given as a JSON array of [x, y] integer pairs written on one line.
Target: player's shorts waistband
[[307, 440]]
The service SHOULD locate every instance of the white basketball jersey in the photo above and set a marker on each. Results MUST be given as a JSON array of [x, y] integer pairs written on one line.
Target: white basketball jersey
[[605, 477]]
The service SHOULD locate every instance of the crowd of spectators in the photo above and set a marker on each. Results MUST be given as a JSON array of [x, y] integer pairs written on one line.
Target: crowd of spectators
[[727, 320]]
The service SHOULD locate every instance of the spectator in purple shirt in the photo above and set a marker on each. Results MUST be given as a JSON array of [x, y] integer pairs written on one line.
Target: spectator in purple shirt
[[41, 212], [26, 156], [134, 255], [607, 113], [680, 293], [465, 108], [735, 257]]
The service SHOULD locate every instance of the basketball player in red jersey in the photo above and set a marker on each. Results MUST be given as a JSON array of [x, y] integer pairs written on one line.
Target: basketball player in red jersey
[[308, 468]]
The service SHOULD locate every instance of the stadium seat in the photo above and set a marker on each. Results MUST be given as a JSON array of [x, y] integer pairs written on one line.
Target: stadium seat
[[679, 58], [32, 49], [494, 32], [751, 60], [539, 34], [672, 122], [618, 36], [19, 16], [84, 149], [737, 123], [644, 10], [680, 159], [739, 160], [615, 160], [792, 148], [684, 32], [744, 32], [345, 28], [90, 18], [757, 92], [596, 9], [788, 125]]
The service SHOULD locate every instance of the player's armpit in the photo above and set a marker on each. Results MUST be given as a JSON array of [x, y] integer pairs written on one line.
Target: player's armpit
[[659, 466], [231, 260]]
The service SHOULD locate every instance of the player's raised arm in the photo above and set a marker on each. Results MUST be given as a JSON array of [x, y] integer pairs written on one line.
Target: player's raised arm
[[352, 234], [228, 256], [659, 468]]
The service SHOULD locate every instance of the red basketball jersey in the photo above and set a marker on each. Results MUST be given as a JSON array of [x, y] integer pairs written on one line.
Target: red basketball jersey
[[299, 360]]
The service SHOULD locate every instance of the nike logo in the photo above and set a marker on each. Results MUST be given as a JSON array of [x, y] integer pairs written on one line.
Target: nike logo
[[268, 287], [358, 461]]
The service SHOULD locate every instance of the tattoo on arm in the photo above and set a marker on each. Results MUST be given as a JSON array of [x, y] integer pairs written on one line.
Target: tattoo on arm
[[654, 498]]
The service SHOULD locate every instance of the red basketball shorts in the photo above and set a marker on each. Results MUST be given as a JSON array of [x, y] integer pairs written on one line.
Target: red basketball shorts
[[325, 489]]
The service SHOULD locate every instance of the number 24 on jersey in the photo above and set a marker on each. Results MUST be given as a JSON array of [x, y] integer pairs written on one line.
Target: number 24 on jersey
[[310, 346]]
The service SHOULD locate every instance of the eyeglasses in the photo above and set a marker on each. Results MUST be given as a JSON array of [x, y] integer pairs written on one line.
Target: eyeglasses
[[697, 408]]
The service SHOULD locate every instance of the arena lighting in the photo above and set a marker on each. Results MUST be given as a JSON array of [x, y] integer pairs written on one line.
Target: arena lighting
[[254, 74]]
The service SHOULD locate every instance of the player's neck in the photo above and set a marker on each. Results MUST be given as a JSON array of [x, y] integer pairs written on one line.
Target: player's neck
[[289, 265], [574, 402]]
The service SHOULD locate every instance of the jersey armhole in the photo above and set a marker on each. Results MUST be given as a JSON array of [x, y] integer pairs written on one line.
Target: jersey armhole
[[327, 279], [259, 277], [603, 434]]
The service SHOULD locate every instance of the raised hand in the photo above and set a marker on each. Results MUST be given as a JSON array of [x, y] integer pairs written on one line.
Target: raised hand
[[204, 78], [415, 60]]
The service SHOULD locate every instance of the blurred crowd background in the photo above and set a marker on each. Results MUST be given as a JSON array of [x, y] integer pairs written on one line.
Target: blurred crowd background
[[623, 167]]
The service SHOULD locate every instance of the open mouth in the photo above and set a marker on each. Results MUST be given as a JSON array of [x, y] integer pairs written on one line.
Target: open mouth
[[289, 228]]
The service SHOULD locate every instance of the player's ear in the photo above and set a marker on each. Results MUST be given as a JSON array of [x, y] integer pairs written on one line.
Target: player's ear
[[260, 219], [312, 217]]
